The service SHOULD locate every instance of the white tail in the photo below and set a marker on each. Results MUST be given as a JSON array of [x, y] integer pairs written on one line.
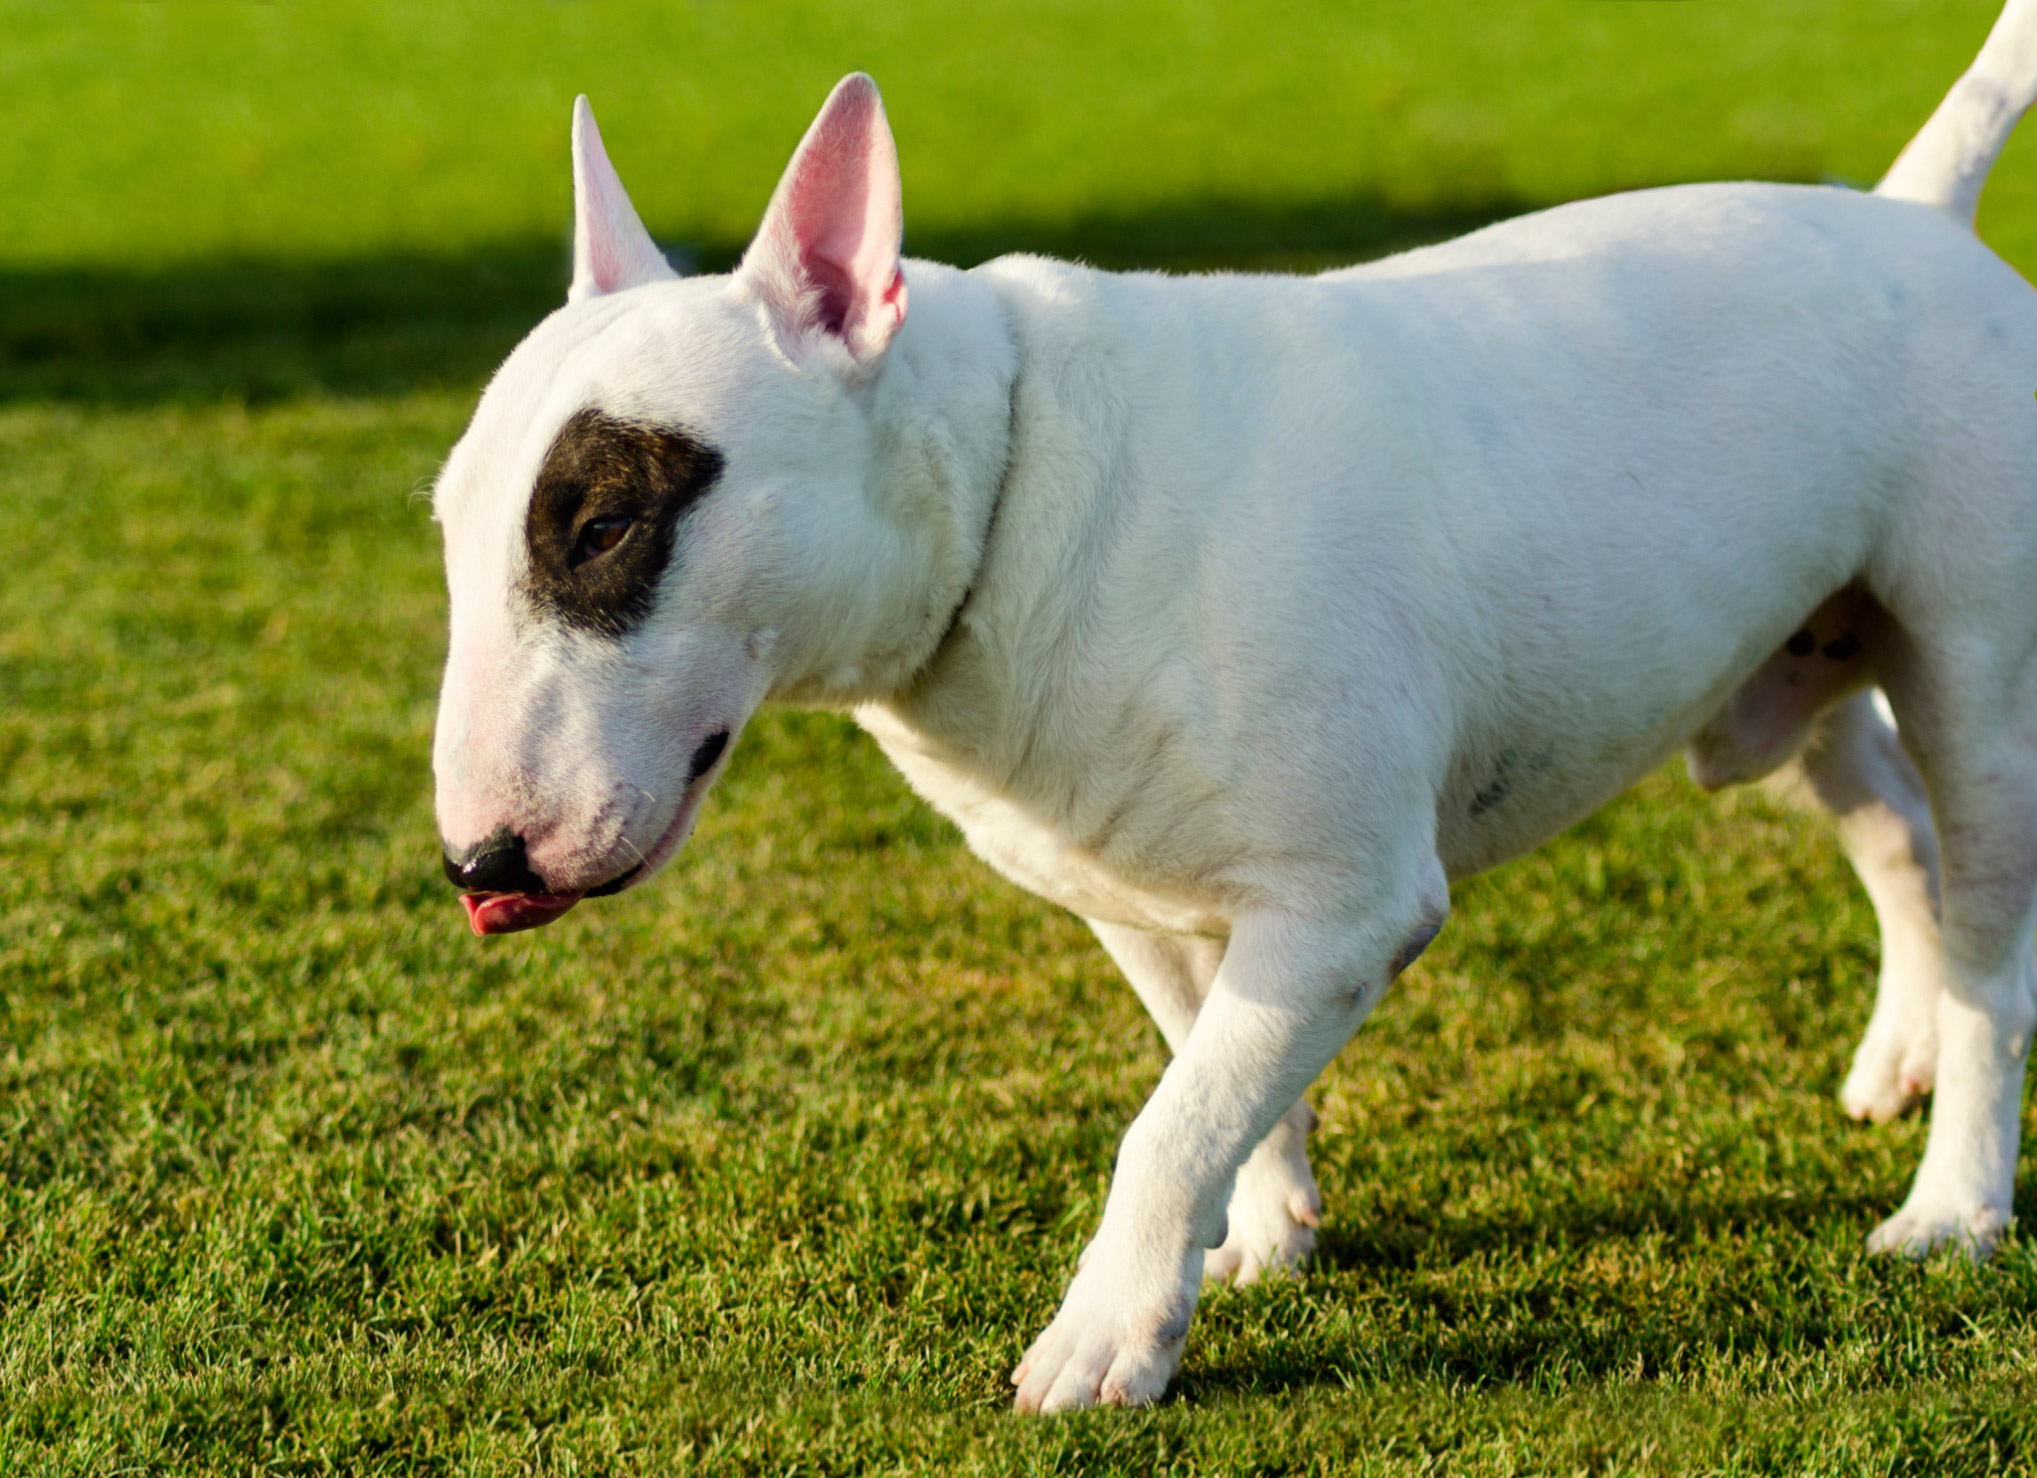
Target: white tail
[[1948, 161]]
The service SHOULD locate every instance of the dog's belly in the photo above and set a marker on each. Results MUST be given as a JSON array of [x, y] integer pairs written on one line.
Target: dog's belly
[[1583, 707], [1508, 794]]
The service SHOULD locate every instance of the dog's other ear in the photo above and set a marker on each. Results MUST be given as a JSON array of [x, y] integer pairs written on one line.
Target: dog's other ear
[[826, 257], [611, 248]]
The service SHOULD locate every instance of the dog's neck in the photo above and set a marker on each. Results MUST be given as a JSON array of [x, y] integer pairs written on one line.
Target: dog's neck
[[941, 409], [991, 694]]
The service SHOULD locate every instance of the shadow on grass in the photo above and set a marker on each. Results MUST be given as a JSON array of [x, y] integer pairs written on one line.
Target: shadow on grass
[[1571, 1319], [1680, 1220], [258, 331]]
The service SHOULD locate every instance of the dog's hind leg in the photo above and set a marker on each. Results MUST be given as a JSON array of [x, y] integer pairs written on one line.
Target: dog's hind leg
[[1275, 1205], [1969, 714], [1854, 768], [1807, 722]]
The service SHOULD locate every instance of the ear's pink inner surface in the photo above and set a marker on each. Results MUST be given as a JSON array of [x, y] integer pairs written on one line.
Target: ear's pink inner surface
[[839, 221]]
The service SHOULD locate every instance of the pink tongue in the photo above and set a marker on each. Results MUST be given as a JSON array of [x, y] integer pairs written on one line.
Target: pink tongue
[[505, 913]]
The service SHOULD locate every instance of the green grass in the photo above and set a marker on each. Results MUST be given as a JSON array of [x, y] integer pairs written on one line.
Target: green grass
[[775, 1165], [168, 133]]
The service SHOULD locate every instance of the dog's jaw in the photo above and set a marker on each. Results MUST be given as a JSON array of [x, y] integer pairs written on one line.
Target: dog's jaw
[[709, 759], [668, 845]]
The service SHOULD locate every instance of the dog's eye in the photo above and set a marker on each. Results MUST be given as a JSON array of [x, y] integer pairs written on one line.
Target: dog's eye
[[598, 536]]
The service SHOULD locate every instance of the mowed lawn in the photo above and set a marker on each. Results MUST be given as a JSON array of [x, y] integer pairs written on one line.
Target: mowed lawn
[[775, 1165]]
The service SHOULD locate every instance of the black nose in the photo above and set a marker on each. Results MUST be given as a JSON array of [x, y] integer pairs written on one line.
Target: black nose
[[496, 866]]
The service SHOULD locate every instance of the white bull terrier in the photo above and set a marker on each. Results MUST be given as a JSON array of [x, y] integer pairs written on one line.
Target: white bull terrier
[[1241, 614]]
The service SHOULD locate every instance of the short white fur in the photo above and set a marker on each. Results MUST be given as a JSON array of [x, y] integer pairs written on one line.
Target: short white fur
[[1242, 614]]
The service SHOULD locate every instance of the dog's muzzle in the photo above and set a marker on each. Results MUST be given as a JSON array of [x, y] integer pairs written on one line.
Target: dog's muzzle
[[503, 895]]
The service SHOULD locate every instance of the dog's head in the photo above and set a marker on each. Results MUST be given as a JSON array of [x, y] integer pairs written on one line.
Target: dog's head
[[659, 515]]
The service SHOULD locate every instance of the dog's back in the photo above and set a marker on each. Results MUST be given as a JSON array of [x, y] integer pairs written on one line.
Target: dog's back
[[1560, 486]]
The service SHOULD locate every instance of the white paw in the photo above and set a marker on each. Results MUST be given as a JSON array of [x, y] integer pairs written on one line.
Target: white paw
[[1272, 1230], [1892, 1070], [1921, 1227], [1275, 1207], [1110, 1344]]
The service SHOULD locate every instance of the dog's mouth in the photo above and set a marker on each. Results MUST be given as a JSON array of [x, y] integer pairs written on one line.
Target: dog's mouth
[[509, 913], [506, 913]]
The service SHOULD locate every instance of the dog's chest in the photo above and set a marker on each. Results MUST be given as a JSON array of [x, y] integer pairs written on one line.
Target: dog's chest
[[1117, 875]]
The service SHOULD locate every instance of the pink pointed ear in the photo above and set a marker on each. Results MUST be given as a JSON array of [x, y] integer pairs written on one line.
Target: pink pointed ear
[[611, 248], [826, 258]]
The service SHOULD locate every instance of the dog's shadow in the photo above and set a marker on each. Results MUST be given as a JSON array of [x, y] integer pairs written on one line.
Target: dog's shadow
[[396, 322], [1656, 1288]]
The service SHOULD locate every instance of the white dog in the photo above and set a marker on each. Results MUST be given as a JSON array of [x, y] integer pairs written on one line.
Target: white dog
[[1242, 614]]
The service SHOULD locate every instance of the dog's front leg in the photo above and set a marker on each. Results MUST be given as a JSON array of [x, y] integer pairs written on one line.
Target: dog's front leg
[[1275, 1205], [1288, 995]]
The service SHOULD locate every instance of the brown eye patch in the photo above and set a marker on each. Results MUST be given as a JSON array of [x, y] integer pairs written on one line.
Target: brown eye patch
[[600, 528]]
